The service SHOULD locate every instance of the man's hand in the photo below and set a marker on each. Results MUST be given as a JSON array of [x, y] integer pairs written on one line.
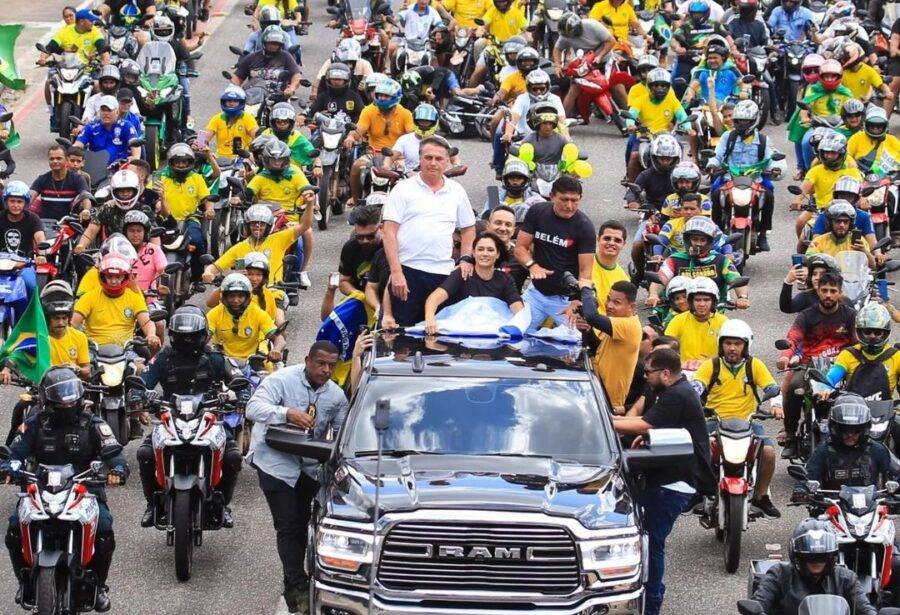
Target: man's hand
[[317, 171], [85, 215], [299, 418], [364, 342], [208, 277], [209, 214], [5, 376], [797, 202], [539, 273], [858, 245], [113, 479], [78, 249], [742, 303], [782, 362], [398, 286], [777, 412], [388, 322], [431, 327], [633, 205], [274, 356], [349, 142], [466, 269], [652, 300], [154, 342]]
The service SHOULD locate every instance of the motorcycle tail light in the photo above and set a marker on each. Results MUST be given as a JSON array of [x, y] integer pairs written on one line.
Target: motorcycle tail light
[[79, 490]]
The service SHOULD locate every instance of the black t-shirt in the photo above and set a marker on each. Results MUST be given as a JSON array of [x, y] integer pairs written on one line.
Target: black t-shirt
[[678, 406], [500, 286], [57, 196], [279, 67], [557, 243], [18, 237], [356, 260], [516, 271], [349, 102], [379, 272]]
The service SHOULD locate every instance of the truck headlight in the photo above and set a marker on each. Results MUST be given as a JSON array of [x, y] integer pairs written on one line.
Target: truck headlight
[[619, 557], [343, 550]]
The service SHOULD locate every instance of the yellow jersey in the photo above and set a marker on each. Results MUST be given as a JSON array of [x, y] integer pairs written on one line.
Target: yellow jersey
[[274, 298], [887, 151], [84, 44], [603, 279], [239, 337], [465, 12], [823, 180], [849, 363], [513, 84], [70, 349], [617, 357], [823, 107], [861, 80], [110, 320], [621, 16], [274, 246], [697, 340], [658, 117], [384, 130], [730, 396], [284, 190], [279, 4], [503, 26], [183, 198], [243, 127], [826, 244]]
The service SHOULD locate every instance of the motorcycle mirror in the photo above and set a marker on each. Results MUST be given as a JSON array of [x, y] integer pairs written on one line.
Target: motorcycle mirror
[[45, 245], [207, 259], [147, 17], [653, 278], [242, 152], [884, 242], [778, 156], [158, 315], [309, 188], [305, 83], [782, 345], [739, 282], [157, 231], [6, 117], [350, 126], [332, 10], [802, 105], [238, 383], [5, 453], [75, 120], [891, 486], [625, 115], [173, 268], [734, 238], [868, 190], [289, 261], [64, 142], [862, 13], [633, 187], [679, 81], [454, 151], [796, 472], [214, 198], [891, 266], [607, 20], [780, 32], [136, 142], [40, 47], [75, 226], [795, 190], [748, 79], [248, 10], [750, 607], [96, 466], [226, 74], [386, 151], [235, 182], [235, 50], [196, 55], [817, 376]]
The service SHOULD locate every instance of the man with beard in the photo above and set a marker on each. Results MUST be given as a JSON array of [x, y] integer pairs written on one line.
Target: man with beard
[[359, 251]]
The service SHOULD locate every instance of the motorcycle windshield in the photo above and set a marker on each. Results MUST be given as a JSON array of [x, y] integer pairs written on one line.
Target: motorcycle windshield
[[858, 500], [855, 269], [55, 478], [186, 406], [157, 58], [359, 9], [824, 604]]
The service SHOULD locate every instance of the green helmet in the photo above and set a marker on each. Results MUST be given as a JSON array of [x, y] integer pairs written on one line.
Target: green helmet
[[873, 326]]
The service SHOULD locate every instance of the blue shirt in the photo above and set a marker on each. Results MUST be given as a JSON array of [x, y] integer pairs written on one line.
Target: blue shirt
[[744, 153], [794, 23], [728, 80], [136, 123], [254, 41], [114, 141], [863, 223]]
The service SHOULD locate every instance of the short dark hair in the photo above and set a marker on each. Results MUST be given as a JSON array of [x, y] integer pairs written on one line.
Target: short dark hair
[[140, 163], [435, 140], [614, 225], [75, 151], [502, 252], [666, 340], [566, 183], [691, 196], [322, 346], [506, 208], [56, 148], [365, 215], [626, 288], [665, 358], [831, 278]]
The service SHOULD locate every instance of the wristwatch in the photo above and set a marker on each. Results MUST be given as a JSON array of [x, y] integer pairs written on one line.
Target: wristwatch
[[529, 264]]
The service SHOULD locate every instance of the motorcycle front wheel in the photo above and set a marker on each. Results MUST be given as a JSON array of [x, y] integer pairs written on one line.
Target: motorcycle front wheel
[[119, 427], [184, 535], [47, 594], [734, 527]]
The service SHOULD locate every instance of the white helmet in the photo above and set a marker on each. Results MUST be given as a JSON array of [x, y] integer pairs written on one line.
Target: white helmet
[[745, 117], [163, 29], [736, 329], [269, 16], [258, 213], [678, 284], [125, 179], [348, 50], [703, 286], [256, 260], [117, 243]]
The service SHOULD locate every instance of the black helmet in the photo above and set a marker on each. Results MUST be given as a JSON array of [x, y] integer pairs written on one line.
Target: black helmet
[[188, 331], [62, 393], [57, 298], [813, 541], [849, 414], [825, 261]]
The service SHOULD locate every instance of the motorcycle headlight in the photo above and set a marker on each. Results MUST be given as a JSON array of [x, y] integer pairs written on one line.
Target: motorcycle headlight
[[113, 373], [331, 140], [741, 196], [795, 61], [878, 428], [619, 557], [859, 526], [187, 428], [69, 74], [343, 550]]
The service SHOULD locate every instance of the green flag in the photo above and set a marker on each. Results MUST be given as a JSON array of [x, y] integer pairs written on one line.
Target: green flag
[[28, 346], [9, 72]]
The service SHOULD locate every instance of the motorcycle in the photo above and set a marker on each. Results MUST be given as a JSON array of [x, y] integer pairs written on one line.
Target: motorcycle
[[545, 25], [467, 116], [188, 447], [411, 54], [13, 294], [861, 284], [358, 23], [884, 201], [753, 63], [787, 72], [225, 229], [114, 365], [334, 185], [596, 90], [58, 519], [161, 90], [735, 452], [461, 61], [60, 239], [71, 85], [176, 280], [122, 43]]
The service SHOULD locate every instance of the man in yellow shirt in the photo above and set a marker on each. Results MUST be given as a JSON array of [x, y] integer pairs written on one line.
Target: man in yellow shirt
[[833, 163], [258, 223], [381, 123], [728, 385], [620, 15], [607, 271], [108, 314], [697, 330], [503, 20], [465, 12], [659, 112], [239, 325], [873, 148], [82, 38], [860, 78], [233, 126], [840, 218]]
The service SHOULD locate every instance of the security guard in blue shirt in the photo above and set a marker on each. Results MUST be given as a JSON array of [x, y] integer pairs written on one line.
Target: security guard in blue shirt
[[109, 133]]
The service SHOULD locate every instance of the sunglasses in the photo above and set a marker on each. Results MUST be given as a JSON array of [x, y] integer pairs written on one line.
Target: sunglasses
[[365, 236], [612, 239]]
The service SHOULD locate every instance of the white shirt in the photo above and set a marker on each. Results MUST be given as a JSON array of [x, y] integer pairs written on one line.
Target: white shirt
[[523, 103], [417, 26], [408, 145], [716, 12], [427, 219], [92, 108]]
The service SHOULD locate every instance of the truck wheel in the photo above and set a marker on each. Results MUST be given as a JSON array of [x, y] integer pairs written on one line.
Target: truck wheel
[[734, 527]]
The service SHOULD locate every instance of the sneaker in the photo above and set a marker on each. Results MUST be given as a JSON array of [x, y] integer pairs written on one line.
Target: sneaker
[[304, 280], [102, 603], [762, 244], [765, 506], [790, 449], [227, 519], [147, 519], [198, 288]]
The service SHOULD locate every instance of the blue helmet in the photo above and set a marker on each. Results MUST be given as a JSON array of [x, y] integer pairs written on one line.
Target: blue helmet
[[233, 92], [19, 189], [392, 89], [699, 6], [425, 118]]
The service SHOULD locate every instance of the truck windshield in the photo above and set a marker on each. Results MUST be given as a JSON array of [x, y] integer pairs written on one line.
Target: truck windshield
[[558, 419]]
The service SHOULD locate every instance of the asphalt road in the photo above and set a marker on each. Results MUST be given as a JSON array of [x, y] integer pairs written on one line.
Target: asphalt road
[[237, 571]]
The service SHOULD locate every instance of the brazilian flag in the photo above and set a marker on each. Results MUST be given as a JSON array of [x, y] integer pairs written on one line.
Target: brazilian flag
[[28, 346], [9, 72]]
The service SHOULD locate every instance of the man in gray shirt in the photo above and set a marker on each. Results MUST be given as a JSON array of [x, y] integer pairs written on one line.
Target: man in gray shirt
[[304, 396], [577, 34]]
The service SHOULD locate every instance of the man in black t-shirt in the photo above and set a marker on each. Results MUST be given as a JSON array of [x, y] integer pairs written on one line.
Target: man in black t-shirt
[[668, 491], [58, 187], [502, 223], [376, 280], [555, 238], [20, 230], [357, 253], [272, 63]]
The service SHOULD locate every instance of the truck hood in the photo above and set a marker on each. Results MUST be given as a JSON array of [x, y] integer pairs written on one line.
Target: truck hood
[[595, 495]]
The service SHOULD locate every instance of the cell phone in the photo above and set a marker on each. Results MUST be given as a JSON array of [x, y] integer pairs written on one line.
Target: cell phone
[[334, 279], [203, 138], [797, 260], [856, 235]]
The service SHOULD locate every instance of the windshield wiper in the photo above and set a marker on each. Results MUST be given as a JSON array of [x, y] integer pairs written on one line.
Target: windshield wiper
[[394, 452], [531, 456]]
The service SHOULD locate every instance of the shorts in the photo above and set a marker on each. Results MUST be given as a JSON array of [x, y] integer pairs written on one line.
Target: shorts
[[757, 428]]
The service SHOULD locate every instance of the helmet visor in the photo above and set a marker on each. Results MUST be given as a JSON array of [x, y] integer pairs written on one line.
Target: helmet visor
[[66, 393], [186, 323]]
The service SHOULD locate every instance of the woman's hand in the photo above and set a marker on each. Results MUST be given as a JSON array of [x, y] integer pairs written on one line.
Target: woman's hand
[[364, 342], [431, 327]]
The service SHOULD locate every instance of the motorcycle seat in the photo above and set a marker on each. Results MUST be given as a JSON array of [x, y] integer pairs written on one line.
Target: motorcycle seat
[[176, 243], [735, 428], [225, 162]]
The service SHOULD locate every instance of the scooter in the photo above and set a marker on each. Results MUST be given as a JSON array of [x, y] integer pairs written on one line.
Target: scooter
[[596, 90]]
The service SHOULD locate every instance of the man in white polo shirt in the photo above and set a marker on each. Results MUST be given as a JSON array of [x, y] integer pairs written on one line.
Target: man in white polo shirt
[[419, 219]]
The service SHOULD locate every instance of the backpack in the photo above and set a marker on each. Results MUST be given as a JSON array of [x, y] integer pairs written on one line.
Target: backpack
[[870, 378], [748, 375], [733, 137]]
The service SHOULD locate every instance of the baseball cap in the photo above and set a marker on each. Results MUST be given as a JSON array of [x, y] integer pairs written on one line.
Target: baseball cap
[[86, 14], [124, 94], [109, 102]]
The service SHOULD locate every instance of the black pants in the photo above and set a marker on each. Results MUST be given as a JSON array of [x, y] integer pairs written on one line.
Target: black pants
[[291, 508], [793, 404], [231, 467], [421, 284]]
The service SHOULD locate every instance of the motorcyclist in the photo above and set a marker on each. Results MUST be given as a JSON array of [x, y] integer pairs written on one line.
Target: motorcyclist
[[825, 99], [338, 95], [548, 143], [577, 34], [271, 300], [233, 126], [537, 85], [718, 69], [689, 38], [510, 51], [282, 120], [239, 325], [187, 366], [405, 152], [728, 384], [515, 189], [108, 82], [271, 16], [871, 367], [108, 133], [812, 569], [686, 179], [852, 113], [124, 189], [860, 78], [65, 432], [349, 53], [795, 20], [873, 148], [849, 189], [745, 147], [808, 273], [272, 63], [840, 217], [697, 330], [21, 231], [416, 21]]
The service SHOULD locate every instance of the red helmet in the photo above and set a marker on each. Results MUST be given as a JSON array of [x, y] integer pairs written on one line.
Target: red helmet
[[114, 264], [830, 74]]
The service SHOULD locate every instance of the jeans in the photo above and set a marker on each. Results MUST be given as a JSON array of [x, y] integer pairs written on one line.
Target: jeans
[[291, 508], [793, 403], [798, 154], [630, 147], [543, 306], [420, 284], [499, 156], [29, 276], [806, 149], [196, 238], [661, 508], [185, 97]]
